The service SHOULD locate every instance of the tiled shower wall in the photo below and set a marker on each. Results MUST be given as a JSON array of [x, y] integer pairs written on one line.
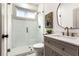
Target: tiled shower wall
[[22, 38]]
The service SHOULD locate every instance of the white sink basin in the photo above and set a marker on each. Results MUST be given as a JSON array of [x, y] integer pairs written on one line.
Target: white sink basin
[[63, 36], [70, 37]]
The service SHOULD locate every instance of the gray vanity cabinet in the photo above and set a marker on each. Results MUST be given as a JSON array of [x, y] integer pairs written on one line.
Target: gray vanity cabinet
[[54, 47]]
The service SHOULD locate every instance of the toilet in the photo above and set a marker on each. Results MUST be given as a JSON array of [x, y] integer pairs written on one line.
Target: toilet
[[39, 49]]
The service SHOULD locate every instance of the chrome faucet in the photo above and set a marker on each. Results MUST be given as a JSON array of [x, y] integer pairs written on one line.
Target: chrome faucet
[[66, 28]]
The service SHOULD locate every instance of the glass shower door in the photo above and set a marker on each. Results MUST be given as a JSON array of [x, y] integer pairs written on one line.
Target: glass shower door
[[32, 32], [18, 36], [24, 35], [24, 32]]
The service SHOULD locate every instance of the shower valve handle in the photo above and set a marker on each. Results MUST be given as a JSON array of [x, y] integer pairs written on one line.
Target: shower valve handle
[[27, 29]]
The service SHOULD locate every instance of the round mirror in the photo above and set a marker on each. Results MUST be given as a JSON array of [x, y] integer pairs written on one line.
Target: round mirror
[[68, 15]]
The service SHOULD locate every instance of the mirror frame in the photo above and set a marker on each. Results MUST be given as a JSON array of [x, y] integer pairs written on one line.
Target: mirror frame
[[57, 18]]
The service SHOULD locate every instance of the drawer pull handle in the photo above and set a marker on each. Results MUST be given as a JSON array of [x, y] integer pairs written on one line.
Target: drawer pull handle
[[63, 49]]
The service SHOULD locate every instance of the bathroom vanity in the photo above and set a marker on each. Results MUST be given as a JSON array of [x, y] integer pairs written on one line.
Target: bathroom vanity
[[58, 45]]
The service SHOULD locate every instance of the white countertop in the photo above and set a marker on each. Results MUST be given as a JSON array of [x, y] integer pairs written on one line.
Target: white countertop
[[71, 40]]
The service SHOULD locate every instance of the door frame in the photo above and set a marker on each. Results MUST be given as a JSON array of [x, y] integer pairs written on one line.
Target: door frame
[[0, 28], [4, 29]]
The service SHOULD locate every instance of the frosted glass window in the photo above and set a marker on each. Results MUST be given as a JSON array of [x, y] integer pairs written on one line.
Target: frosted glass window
[[25, 13], [19, 13]]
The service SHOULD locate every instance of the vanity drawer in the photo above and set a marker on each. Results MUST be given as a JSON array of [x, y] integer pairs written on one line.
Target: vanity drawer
[[70, 49], [63, 46]]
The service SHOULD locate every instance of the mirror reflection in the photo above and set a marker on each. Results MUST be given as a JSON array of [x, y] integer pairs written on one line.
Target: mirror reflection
[[68, 15]]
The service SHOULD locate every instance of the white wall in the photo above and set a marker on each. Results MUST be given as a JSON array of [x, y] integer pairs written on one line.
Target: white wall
[[41, 20], [27, 6]]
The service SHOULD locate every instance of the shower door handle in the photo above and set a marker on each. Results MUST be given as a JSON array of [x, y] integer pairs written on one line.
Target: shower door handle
[[27, 29]]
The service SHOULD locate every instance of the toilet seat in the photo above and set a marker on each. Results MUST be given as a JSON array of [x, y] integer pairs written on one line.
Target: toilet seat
[[38, 48], [38, 45]]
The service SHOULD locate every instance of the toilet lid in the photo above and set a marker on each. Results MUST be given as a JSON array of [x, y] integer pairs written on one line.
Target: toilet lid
[[39, 45]]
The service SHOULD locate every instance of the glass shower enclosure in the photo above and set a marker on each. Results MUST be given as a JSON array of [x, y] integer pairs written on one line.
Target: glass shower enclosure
[[24, 31]]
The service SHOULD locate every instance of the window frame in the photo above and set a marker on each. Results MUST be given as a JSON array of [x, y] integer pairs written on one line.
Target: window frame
[[14, 11]]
